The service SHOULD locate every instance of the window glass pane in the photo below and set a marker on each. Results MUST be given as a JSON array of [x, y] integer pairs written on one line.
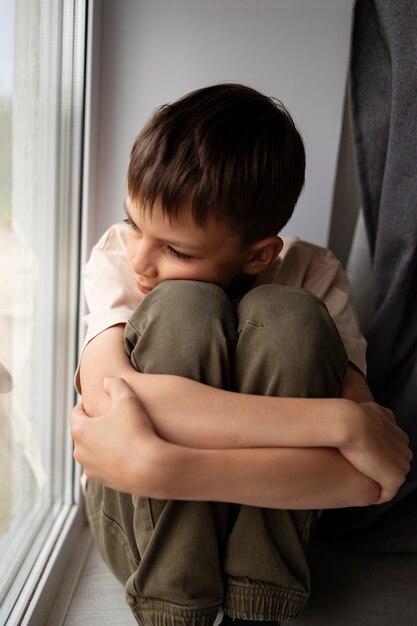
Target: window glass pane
[[6, 88], [34, 467]]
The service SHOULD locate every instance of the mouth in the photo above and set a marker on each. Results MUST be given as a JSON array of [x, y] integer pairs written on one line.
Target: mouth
[[143, 289]]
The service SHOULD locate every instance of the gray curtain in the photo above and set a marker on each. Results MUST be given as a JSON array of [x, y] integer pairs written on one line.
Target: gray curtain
[[383, 103]]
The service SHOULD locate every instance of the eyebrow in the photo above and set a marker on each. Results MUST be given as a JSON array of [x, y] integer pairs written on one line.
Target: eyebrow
[[171, 242]]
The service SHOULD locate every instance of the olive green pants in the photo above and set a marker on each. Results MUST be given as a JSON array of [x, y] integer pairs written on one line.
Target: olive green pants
[[181, 561]]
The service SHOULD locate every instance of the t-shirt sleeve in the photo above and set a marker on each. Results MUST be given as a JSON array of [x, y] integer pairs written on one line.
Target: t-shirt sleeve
[[332, 285], [109, 286]]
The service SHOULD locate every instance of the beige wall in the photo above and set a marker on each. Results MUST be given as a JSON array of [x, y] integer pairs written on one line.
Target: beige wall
[[149, 53]]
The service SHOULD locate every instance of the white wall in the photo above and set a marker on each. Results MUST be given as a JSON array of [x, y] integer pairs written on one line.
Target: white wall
[[154, 52]]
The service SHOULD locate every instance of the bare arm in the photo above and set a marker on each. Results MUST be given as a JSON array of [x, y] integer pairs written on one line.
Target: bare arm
[[191, 414], [232, 428], [122, 450]]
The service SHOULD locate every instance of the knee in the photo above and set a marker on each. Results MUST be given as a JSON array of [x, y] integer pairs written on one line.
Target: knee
[[186, 295], [192, 312], [297, 324], [277, 305], [318, 339], [181, 327], [193, 305]]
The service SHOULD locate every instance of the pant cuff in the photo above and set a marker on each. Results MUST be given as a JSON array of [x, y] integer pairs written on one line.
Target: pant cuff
[[261, 601], [158, 613]]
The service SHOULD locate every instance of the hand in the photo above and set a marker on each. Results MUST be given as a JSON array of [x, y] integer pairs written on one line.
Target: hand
[[378, 448], [114, 448]]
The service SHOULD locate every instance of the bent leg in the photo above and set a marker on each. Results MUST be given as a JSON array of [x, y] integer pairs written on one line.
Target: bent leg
[[185, 328], [288, 346], [173, 569]]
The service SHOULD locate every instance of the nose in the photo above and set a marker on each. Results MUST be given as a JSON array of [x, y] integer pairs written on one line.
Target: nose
[[144, 260]]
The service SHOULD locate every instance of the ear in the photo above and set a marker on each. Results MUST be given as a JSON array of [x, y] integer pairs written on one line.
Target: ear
[[262, 254]]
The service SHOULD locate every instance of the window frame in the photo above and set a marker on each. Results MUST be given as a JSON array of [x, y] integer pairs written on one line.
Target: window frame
[[41, 593]]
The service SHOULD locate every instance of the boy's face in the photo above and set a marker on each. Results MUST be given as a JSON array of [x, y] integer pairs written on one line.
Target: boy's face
[[161, 249]]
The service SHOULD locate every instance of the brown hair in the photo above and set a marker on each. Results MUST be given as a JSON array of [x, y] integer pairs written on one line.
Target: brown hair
[[227, 151]]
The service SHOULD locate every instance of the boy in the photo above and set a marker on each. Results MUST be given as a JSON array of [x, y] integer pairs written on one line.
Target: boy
[[194, 276]]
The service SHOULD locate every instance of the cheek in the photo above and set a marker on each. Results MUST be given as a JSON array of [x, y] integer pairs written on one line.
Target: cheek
[[129, 252], [131, 249], [184, 270], [187, 272], [219, 274]]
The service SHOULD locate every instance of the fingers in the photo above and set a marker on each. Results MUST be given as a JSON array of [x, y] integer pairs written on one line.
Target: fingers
[[78, 411], [390, 415], [126, 404], [118, 390], [385, 496], [396, 478], [76, 416], [115, 386]]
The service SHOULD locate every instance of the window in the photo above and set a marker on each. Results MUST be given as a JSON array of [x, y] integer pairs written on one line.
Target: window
[[42, 46]]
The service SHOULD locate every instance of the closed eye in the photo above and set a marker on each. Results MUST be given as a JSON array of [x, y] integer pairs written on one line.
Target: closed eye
[[129, 222], [178, 255]]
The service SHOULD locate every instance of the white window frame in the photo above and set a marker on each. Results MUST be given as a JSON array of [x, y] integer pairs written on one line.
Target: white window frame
[[64, 542]]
